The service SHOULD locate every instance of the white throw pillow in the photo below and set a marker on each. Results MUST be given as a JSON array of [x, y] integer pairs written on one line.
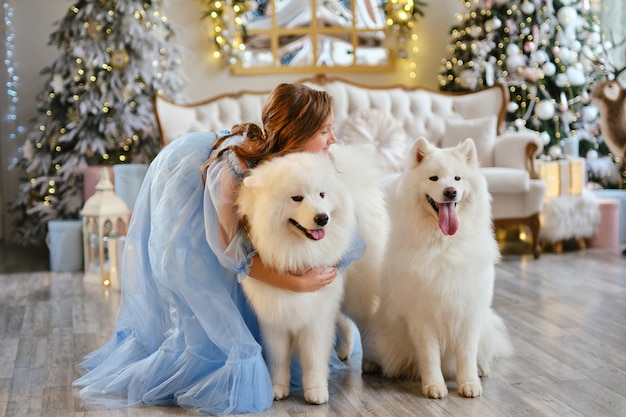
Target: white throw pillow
[[483, 130], [381, 130]]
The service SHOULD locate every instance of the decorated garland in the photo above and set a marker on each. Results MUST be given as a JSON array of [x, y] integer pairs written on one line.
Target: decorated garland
[[227, 29]]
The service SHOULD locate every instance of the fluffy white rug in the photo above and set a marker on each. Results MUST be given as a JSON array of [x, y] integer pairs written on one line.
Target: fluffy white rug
[[570, 217]]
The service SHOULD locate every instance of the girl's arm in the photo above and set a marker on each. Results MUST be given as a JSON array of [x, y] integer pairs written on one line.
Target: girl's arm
[[306, 281]]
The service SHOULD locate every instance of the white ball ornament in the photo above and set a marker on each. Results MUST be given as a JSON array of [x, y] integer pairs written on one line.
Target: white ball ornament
[[545, 137], [576, 75], [466, 78], [555, 152], [514, 62], [493, 24], [527, 7], [512, 49], [549, 69], [561, 80], [544, 110], [564, 54], [566, 15], [590, 113], [540, 57], [512, 107], [592, 154]]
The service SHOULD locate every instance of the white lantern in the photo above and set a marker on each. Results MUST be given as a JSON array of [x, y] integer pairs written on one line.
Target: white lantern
[[105, 219]]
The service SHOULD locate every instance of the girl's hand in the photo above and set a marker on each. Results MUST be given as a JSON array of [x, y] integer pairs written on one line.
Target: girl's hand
[[313, 279], [309, 280]]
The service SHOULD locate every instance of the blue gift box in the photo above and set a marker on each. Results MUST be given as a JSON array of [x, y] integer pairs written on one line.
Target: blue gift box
[[65, 243], [621, 196]]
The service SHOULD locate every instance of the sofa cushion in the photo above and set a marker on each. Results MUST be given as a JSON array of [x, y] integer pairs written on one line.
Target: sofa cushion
[[381, 130], [506, 180], [482, 130]]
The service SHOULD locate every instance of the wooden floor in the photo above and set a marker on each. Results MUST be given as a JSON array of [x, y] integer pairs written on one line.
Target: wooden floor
[[566, 314]]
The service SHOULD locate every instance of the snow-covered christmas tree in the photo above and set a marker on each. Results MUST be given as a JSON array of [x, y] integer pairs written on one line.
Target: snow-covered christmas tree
[[96, 105], [543, 50]]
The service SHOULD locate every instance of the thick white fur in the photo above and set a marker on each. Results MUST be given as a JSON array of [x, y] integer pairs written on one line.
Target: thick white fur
[[435, 318], [304, 323], [360, 167]]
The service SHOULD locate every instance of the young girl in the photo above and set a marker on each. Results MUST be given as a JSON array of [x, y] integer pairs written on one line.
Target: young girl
[[184, 333]]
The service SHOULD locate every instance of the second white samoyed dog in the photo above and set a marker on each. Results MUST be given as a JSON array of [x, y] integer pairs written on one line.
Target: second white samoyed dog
[[301, 213], [435, 316]]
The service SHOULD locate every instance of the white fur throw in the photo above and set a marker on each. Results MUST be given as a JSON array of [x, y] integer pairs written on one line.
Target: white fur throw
[[570, 217], [381, 130]]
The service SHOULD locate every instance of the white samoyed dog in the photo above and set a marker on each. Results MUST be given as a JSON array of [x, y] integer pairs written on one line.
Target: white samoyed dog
[[435, 317], [303, 210]]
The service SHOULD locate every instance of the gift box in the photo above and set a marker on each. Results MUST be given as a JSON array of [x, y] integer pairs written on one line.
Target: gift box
[[563, 177], [619, 195]]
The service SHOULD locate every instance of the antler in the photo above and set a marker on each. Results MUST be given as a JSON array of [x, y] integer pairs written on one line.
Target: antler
[[616, 72], [603, 62]]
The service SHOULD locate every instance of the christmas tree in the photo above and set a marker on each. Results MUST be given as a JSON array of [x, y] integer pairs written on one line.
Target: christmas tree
[[96, 105], [543, 51]]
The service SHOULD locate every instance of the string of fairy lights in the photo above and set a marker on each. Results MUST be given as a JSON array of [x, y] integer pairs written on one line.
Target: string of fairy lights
[[12, 79]]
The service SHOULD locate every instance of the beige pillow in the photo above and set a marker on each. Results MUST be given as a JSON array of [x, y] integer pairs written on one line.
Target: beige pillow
[[482, 130], [381, 130]]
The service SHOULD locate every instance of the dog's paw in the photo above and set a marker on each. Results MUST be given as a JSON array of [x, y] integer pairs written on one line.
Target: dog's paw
[[316, 395], [280, 391], [483, 369], [344, 348], [470, 389], [345, 336], [370, 367], [435, 390]]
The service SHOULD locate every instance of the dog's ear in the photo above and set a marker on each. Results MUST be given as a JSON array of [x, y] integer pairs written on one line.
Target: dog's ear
[[467, 148], [421, 148], [252, 180]]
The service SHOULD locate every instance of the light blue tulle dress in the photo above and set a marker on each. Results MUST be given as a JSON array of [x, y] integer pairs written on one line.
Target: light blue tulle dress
[[184, 333]]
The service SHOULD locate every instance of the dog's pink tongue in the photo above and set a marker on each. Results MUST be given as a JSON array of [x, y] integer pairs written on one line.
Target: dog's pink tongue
[[448, 223], [317, 233]]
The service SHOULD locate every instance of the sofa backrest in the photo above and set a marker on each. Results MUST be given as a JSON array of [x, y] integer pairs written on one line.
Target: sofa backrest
[[420, 111]]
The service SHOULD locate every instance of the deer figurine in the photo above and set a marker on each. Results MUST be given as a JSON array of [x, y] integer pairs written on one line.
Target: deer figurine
[[610, 98]]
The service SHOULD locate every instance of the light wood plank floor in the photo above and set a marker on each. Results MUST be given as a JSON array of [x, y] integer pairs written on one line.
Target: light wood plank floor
[[566, 314]]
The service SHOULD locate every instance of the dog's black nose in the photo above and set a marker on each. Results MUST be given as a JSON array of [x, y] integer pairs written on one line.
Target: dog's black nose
[[449, 193], [321, 219]]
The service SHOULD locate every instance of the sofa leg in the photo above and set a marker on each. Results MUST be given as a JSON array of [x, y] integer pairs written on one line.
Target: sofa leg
[[557, 247], [534, 224]]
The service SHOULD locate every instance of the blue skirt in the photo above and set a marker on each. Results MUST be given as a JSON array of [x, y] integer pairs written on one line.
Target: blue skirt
[[184, 334]]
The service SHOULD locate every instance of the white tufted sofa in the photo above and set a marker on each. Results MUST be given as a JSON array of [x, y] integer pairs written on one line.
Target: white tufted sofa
[[389, 117]]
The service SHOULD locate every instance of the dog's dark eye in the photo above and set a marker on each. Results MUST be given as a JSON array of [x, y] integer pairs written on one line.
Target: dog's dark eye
[[322, 195], [433, 178], [457, 178], [297, 198]]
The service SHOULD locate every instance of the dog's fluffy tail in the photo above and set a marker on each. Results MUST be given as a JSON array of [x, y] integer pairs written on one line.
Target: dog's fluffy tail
[[360, 165], [494, 343], [388, 348]]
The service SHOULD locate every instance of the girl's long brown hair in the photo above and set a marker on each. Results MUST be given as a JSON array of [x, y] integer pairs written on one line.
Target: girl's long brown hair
[[291, 115]]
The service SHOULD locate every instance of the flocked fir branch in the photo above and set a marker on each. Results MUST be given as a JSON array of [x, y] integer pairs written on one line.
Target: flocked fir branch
[[539, 49], [95, 107]]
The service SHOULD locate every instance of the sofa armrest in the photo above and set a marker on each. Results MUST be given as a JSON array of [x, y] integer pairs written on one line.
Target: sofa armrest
[[517, 150]]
